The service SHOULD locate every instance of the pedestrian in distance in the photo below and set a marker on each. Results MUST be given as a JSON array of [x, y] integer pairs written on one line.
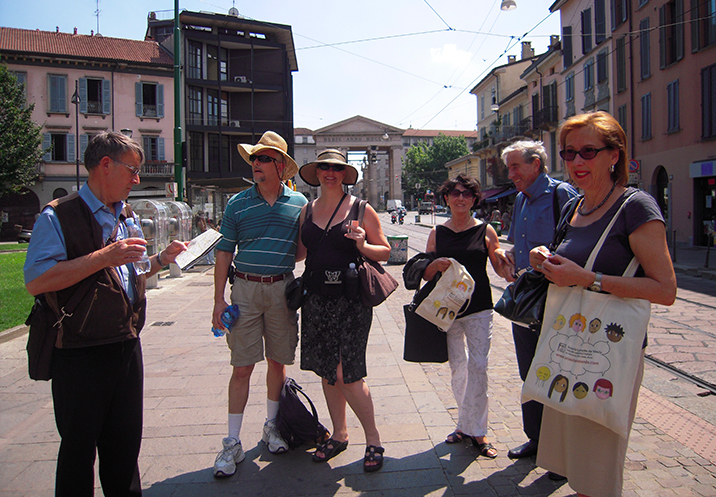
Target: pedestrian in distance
[[594, 148], [471, 242], [535, 214], [261, 224], [335, 323], [80, 243]]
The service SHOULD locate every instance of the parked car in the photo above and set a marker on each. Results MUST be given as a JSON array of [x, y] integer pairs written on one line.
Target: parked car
[[425, 208], [439, 208]]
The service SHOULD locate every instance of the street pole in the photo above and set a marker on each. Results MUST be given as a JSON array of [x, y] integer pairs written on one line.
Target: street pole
[[76, 100], [178, 176]]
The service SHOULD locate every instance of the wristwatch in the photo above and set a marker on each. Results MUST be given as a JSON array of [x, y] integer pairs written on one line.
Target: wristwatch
[[597, 285]]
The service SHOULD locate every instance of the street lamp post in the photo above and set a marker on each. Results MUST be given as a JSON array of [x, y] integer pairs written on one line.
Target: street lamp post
[[76, 100]]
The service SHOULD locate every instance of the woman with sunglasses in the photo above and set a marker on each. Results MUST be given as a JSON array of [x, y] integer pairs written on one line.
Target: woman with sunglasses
[[595, 153], [471, 242], [334, 321]]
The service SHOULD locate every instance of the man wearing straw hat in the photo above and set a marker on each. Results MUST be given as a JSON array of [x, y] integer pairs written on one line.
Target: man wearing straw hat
[[262, 223]]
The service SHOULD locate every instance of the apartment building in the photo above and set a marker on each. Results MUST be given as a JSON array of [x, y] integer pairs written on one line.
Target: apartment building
[[82, 85]]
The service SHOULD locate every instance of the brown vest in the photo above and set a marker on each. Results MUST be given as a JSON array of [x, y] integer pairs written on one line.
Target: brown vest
[[105, 314]]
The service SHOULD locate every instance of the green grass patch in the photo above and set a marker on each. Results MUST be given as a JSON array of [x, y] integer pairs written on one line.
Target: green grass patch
[[13, 247], [15, 302]]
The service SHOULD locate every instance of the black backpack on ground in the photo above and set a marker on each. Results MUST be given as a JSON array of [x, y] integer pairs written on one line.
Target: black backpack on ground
[[295, 423]]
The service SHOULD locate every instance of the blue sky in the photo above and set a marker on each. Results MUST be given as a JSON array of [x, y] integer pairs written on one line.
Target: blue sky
[[401, 62]]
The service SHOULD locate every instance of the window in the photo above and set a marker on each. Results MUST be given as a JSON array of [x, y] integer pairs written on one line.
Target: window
[[95, 96], [586, 31], [567, 46], [589, 75], [569, 87], [196, 151], [708, 102], [644, 46], [672, 96], [219, 153], [58, 147], [602, 67], [600, 22], [216, 63], [482, 107], [21, 81], [703, 24], [58, 93], [646, 117], [622, 116], [194, 69], [517, 115], [671, 32], [621, 64], [195, 115], [149, 99], [619, 12], [153, 148]]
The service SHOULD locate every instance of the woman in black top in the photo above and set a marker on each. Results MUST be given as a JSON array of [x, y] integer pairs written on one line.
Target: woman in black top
[[471, 242], [334, 323]]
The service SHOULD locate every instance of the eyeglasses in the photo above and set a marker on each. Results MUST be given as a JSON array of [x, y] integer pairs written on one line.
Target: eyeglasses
[[135, 170], [324, 166], [262, 158], [465, 193], [586, 153]]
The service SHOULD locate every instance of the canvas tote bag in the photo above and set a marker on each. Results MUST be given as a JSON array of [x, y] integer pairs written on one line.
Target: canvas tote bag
[[588, 351], [451, 293]]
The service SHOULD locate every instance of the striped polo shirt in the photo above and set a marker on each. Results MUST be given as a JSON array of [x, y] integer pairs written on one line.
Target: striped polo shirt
[[266, 236]]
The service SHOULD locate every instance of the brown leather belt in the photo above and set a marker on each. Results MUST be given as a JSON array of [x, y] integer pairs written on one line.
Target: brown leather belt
[[261, 279]]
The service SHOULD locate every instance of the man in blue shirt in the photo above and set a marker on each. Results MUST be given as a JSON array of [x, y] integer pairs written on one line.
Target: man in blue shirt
[[534, 220], [262, 224], [80, 246]]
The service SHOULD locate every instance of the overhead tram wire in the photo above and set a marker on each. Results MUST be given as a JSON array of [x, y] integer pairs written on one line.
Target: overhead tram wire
[[439, 16]]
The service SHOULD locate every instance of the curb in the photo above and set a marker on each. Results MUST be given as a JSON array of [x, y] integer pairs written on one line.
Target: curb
[[9, 334]]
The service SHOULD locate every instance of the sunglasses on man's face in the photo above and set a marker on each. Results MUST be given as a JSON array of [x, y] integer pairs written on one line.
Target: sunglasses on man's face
[[465, 193], [323, 166], [262, 158]]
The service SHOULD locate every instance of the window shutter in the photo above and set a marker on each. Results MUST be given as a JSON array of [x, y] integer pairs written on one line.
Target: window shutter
[[138, 104], [71, 148], [662, 37], [84, 140], [160, 148], [567, 46], [613, 13], [46, 145], [600, 22], [83, 95], [106, 97], [694, 26], [62, 84], [160, 100], [147, 146], [679, 29]]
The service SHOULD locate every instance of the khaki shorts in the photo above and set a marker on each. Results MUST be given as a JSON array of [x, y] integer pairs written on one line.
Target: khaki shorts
[[265, 321]]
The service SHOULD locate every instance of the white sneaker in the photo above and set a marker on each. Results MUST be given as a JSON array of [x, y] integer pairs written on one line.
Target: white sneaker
[[229, 457], [272, 438]]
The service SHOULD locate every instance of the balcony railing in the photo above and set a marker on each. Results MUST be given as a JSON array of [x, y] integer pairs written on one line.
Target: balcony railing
[[545, 117], [157, 169]]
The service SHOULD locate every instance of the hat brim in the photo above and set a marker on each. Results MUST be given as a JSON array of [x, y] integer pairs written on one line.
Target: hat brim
[[308, 172], [247, 151]]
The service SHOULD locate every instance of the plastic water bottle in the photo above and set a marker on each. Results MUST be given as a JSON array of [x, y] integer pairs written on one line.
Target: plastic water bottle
[[352, 284], [228, 318], [144, 265]]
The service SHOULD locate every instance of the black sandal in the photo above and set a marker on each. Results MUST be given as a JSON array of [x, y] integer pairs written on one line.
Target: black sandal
[[455, 437], [373, 454], [330, 449], [485, 448]]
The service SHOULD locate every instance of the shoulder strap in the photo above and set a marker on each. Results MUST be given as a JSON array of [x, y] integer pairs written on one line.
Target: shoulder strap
[[361, 211], [556, 211], [605, 233]]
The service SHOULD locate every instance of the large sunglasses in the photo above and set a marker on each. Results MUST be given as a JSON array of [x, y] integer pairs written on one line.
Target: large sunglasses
[[262, 158], [586, 153], [324, 166], [465, 193]]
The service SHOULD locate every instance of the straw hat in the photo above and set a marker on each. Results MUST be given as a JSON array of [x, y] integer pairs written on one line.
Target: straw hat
[[329, 156], [273, 141]]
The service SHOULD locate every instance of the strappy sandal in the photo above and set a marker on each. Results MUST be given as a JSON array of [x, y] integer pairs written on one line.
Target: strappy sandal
[[373, 454], [455, 437], [485, 449], [330, 449]]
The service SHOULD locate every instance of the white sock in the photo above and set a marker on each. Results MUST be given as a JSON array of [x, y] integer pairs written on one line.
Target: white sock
[[271, 409], [235, 425]]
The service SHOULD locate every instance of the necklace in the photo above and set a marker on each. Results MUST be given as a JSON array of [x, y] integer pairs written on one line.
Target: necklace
[[590, 211], [470, 222]]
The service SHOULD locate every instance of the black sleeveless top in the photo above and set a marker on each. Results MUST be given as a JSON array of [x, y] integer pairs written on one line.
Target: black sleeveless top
[[469, 249]]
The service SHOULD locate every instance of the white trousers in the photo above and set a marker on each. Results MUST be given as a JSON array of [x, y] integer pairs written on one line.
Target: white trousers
[[469, 370]]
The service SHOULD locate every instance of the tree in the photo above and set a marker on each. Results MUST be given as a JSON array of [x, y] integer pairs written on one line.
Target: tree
[[425, 164], [20, 137]]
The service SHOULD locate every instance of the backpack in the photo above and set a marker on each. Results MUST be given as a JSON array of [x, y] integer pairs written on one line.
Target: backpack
[[295, 423]]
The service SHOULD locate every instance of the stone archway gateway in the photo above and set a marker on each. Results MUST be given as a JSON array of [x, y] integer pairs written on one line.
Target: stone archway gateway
[[380, 142]]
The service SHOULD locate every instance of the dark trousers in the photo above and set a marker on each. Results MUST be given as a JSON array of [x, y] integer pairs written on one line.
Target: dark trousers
[[98, 393], [525, 346]]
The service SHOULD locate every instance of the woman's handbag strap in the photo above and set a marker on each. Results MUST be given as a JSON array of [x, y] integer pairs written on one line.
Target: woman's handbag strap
[[605, 233]]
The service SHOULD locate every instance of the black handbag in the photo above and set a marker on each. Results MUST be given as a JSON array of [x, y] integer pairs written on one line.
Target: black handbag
[[295, 293], [523, 300], [424, 342]]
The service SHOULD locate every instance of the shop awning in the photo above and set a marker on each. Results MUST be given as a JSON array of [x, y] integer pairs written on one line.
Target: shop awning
[[503, 193], [485, 194]]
